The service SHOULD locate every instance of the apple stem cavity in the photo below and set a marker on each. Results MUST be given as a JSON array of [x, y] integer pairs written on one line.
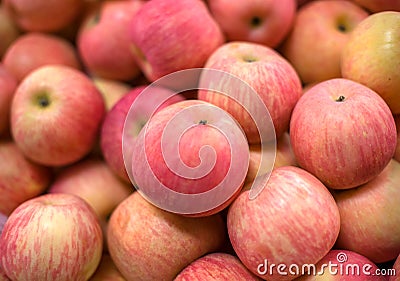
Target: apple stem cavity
[[340, 98], [255, 21], [202, 122], [43, 100]]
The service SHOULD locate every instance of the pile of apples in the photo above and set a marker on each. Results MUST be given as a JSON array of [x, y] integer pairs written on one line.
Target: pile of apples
[[199, 140]]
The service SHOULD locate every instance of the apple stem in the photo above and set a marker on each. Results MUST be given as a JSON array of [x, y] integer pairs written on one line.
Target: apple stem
[[202, 122], [340, 98]]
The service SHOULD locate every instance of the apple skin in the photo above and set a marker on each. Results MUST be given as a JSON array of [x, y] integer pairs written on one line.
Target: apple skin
[[397, 152], [111, 90], [216, 266], [49, 115], [165, 38], [9, 31], [43, 15], [376, 6], [107, 271], [33, 50], [396, 268], [92, 180], [343, 133], [290, 195], [102, 32], [270, 75], [265, 22], [372, 230], [369, 54], [15, 189], [147, 243], [113, 126], [329, 22], [51, 237], [8, 85], [347, 266]]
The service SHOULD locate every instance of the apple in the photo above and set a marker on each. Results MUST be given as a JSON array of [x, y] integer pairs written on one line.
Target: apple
[[111, 90], [147, 243], [92, 180], [103, 31], [216, 266], [274, 80], [107, 271], [395, 276], [293, 220], [265, 22], [343, 133], [343, 265], [43, 15], [281, 155], [56, 115], [376, 6], [112, 129], [397, 152], [330, 24], [166, 38], [372, 229], [51, 237], [3, 219], [190, 158], [20, 179], [8, 85], [369, 54], [9, 31], [33, 50]]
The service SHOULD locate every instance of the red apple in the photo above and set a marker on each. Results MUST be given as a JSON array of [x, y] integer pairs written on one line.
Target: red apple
[[370, 53], [107, 271], [190, 158], [113, 126], [111, 90], [168, 38], [329, 24], [147, 243], [268, 73], [43, 15], [375, 6], [8, 85], [216, 266], [20, 179], [9, 31], [104, 31], [395, 276], [372, 229], [93, 181], [33, 50], [293, 220], [343, 133], [56, 114], [265, 22], [343, 265], [51, 237]]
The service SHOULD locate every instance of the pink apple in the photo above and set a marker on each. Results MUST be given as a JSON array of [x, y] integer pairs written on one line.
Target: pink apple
[[216, 266], [93, 181], [168, 38], [113, 125], [56, 114], [395, 270], [20, 179], [372, 229], [397, 152], [272, 77], [375, 6], [265, 22], [186, 149], [320, 31], [8, 85], [104, 31], [51, 237], [9, 32], [343, 265], [111, 90], [33, 50], [43, 15], [294, 220], [282, 155], [147, 243], [343, 133], [107, 271], [369, 55]]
